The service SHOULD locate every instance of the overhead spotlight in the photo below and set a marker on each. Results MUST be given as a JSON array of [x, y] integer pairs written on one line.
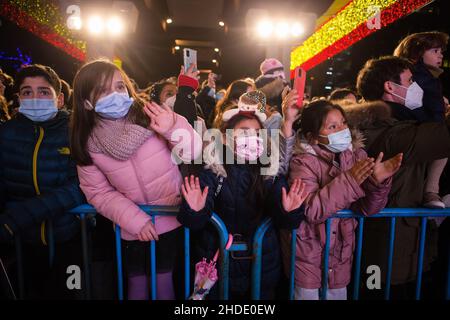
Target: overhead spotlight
[[74, 23], [115, 26], [265, 28], [297, 29], [214, 61], [95, 25], [177, 47], [169, 20], [221, 23], [216, 49], [282, 29]]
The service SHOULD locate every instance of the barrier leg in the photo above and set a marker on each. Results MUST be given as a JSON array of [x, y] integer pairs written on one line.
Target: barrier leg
[[357, 275], [119, 264], [423, 230], [187, 276], [390, 256], [326, 261], [153, 265], [292, 264], [84, 248]]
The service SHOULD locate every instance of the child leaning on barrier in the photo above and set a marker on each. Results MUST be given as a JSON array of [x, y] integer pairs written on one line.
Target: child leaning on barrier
[[338, 175], [123, 151], [242, 197]]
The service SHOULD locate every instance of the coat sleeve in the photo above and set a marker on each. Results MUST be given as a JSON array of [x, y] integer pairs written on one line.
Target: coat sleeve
[[376, 196], [185, 103], [281, 218], [109, 202], [433, 101], [286, 150], [419, 142], [184, 141], [197, 220], [206, 102], [323, 202], [35, 210]]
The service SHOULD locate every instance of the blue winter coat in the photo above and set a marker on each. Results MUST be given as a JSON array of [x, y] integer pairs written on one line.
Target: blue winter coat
[[237, 210], [38, 179]]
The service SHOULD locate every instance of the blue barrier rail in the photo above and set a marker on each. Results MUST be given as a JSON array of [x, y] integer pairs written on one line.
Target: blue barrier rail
[[391, 213]]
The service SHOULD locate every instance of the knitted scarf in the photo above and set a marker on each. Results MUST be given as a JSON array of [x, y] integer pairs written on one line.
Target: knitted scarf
[[118, 139]]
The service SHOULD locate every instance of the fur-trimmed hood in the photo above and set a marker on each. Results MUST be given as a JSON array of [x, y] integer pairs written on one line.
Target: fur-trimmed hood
[[270, 87], [368, 114]]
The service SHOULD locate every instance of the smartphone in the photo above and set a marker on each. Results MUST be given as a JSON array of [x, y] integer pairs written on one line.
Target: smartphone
[[299, 85], [189, 57]]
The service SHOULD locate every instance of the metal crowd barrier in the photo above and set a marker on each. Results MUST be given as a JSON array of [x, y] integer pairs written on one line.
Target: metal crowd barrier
[[391, 213]]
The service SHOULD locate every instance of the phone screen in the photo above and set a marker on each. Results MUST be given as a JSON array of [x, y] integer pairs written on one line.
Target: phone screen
[[299, 85], [189, 57]]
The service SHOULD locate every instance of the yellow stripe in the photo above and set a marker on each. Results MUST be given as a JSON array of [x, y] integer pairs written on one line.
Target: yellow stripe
[[35, 154], [43, 233], [35, 181]]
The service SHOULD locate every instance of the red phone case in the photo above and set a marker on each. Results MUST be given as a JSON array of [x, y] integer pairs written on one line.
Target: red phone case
[[299, 85]]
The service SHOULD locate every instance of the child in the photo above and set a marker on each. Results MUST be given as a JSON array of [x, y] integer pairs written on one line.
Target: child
[[425, 50], [240, 195], [123, 152], [338, 175]]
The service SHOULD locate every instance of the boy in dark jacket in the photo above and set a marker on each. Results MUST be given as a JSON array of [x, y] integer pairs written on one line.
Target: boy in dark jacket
[[38, 181]]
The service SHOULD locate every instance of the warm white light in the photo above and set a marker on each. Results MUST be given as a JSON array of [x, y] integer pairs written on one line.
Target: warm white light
[[177, 47], [297, 29], [115, 26], [221, 23], [282, 29], [214, 61], [74, 23], [95, 25], [265, 28], [169, 20], [216, 49]]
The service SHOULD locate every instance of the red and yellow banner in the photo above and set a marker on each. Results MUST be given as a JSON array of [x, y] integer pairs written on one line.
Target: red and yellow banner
[[42, 18], [348, 25]]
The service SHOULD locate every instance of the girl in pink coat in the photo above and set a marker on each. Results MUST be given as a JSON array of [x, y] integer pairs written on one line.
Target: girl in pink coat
[[126, 152], [338, 175]]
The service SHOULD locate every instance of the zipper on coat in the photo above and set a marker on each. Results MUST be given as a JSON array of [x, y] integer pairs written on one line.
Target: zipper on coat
[[35, 179]]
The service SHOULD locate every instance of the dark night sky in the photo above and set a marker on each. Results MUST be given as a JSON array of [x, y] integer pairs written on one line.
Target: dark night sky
[[147, 53]]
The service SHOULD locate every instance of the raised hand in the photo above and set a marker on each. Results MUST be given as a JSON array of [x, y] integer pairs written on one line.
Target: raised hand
[[290, 111], [190, 71], [386, 169], [148, 232], [296, 196], [362, 169], [193, 194], [212, 80], [162, 118]]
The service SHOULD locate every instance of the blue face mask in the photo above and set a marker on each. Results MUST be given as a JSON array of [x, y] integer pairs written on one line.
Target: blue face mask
[[38, 110], [114, 106], [339, 141]]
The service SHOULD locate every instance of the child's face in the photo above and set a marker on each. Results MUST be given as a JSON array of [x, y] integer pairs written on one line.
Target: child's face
[[246, 127], [39, 88], [167, 92], [117, 85], [334, 122], [433, 57]]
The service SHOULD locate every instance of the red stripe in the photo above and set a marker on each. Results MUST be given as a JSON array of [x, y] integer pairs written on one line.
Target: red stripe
[[388, 15], [25, 21]]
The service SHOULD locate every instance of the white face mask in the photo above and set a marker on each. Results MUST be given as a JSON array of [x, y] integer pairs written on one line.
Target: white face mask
[[249, 148], [170, 102], [338, 141], [414, 95]]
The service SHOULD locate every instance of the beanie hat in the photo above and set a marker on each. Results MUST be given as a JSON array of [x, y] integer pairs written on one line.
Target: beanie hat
[[253, 102]]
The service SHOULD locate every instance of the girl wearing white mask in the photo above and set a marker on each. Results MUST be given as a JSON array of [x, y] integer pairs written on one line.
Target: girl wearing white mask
[[123, 149], [338, 175], [236, 190]]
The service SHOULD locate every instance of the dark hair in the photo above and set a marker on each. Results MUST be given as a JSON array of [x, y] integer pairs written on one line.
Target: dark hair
[[157, 88], [341, 93], [38, 70], [371, 78], [414, 46], [89, 82], [314, 115], [67, 91], [233, 92], [4, 112], [256, 190]]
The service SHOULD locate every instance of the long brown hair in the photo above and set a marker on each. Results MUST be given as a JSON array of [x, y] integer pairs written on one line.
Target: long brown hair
[[89, 82]]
